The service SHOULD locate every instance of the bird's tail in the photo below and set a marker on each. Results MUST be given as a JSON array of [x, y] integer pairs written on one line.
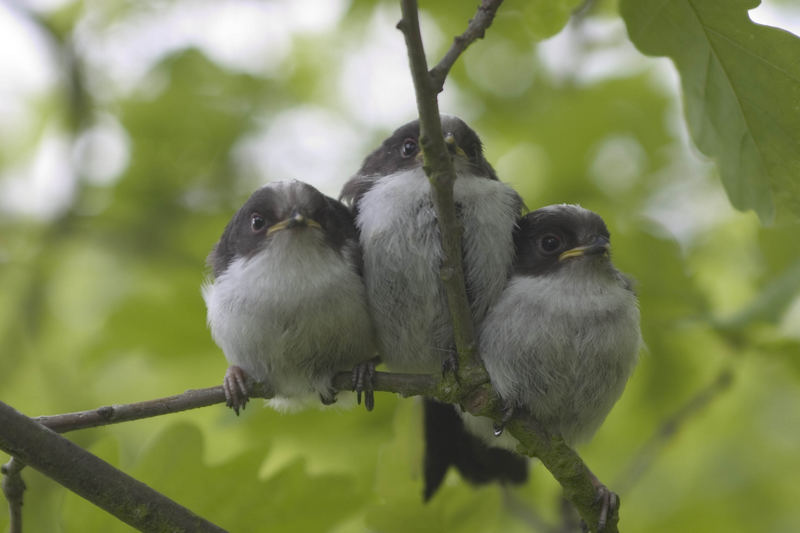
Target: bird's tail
[[447, 442]]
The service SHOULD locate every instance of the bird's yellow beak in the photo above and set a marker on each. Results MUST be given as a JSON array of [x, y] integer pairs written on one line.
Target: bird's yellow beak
[[293, 221], [450, 141], [452, 146], [600, 246]]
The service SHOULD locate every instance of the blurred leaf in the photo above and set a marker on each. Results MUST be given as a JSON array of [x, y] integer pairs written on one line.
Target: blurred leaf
[[671, 306], [166, 304], [400, 508], [771, 302], [778, 249], [228, 494], [713, 454], [521, 21], [63, 19], [769, 343], [543, 18], [182, 139], [741, 86], [562, 128], [529, 20], [351, 435]]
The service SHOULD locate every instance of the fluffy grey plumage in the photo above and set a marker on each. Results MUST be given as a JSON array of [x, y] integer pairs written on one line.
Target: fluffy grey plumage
[[564, 337], [399, 237], [287, 304]]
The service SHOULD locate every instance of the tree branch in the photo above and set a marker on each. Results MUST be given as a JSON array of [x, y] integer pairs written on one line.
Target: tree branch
[[475, 30], [114, 414], [130, 500], [14, 487], [438, 167], [474, 392], [565, 465], [404, 384]]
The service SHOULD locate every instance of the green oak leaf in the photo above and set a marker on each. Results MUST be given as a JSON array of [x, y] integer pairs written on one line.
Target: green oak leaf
[[741, 88]]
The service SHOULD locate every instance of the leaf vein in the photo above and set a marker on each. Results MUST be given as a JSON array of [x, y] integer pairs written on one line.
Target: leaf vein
[[738, 98], [753, 54]]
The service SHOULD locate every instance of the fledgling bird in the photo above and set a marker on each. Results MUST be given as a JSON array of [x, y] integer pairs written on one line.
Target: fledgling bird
[[564, 337], [287, 304], [399, 235]]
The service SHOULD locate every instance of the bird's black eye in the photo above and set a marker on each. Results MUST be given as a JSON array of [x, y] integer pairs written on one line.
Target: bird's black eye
[[409, 147], [257, 222], [550, 243]]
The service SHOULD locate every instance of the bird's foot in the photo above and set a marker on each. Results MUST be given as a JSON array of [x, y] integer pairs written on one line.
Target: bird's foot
[[363, 378], [450, 364], [508, 413], [235, 385], [608, 501]]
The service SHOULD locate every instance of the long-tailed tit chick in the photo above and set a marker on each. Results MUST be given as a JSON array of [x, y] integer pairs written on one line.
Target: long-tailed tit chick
[[287, 303]]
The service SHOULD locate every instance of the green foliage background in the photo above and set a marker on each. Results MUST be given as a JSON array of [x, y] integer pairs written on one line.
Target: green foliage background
[[100, 302]]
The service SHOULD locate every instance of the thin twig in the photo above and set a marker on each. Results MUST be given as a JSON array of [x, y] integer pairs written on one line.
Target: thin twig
[[651, 449], [405, 384], [128, 499], [438, 166], [114, 414], [475, 30], [14, 490]]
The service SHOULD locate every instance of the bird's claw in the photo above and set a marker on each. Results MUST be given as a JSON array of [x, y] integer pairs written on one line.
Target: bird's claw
[[236, 390], [609, 505], [363, 378], [450, 364], [508, 413]]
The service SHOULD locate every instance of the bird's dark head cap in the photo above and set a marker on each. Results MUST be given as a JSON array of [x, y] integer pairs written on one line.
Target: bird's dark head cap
[[275, 208], [551, 237], [402, 151]]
